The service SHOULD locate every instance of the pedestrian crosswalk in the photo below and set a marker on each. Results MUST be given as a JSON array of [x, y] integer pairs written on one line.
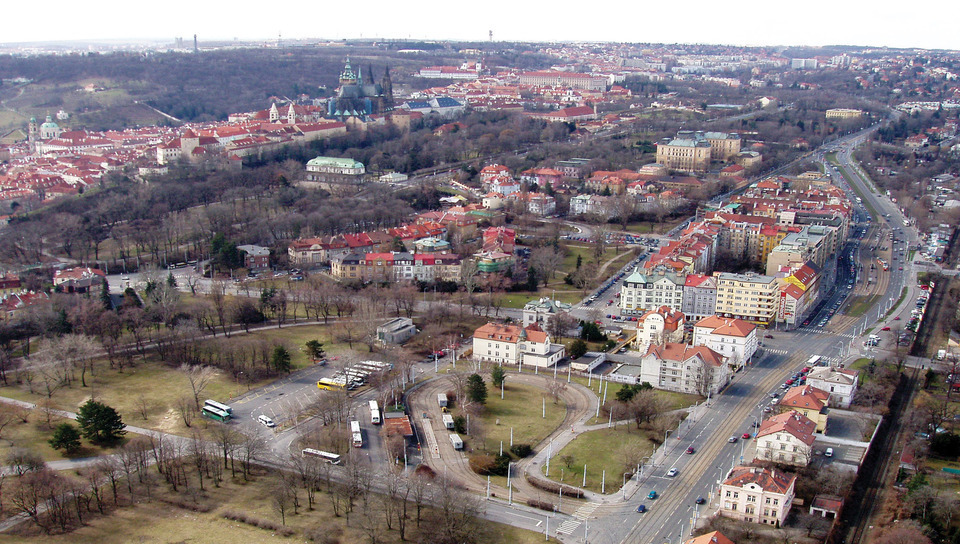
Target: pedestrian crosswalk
[[582, 513], [776, 351]]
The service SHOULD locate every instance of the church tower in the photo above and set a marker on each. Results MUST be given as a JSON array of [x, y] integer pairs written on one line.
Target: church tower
[[291, 115], [274, 113], [347, 76], [33, 134], [387, 87]]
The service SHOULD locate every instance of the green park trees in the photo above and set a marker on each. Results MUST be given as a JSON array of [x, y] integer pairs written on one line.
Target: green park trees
[[99, 422]]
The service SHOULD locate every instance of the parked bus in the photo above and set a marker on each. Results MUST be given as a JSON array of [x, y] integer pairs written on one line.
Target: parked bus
[[374, 413], [357, 436], [218, 405], [814, 360], [215, 414], [331, 458], [331, 384]]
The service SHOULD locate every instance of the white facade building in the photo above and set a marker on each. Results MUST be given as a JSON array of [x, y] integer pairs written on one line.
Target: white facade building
[[645, 291], [840, 383], [684, 369], [757, 495], [733, 338], [511, 345]]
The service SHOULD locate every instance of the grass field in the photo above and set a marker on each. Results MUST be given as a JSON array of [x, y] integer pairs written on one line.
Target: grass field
[[518, 300], [860, 304], [157, 522], [521, 410], [614, 451]]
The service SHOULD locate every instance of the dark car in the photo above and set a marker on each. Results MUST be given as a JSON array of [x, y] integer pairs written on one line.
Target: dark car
[[700, 500], [642, 508], [768, 336], [652, 495]]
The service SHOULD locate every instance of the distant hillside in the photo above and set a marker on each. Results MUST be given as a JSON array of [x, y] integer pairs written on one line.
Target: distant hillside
[[100, 91]]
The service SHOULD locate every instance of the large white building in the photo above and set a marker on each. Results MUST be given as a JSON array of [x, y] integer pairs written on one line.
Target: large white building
[[512, 345], [541, 311], [757, 495], [684, 369], [645, 291], [787, 438], [840, 383], [733, 338]]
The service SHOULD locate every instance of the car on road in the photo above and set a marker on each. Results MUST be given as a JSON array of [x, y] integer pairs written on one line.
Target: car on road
[[671, 473], [652, 495], [745, 436], [642, 508], [767, 409], [700, 500], [828, 452], [266, 421], [768, 336], [896, 318], [690, 450], [885, 329], [732, 439]]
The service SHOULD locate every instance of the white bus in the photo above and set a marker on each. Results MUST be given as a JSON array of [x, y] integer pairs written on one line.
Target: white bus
[[814, 360], [374, 412], [357, 436], [218, 405], [331, 458]]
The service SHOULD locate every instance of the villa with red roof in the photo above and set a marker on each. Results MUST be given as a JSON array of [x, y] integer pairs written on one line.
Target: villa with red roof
[[809, 401], [786, 438], [733, 338], [512, 345], [657, 326], [695, 370], [81, 279], [757, 495]]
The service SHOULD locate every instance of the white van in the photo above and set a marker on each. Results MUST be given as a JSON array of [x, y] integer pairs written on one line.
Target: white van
[[828, 452], [264, 420]]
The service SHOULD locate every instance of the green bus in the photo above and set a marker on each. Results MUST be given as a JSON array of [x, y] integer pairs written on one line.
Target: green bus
[[215, 414]]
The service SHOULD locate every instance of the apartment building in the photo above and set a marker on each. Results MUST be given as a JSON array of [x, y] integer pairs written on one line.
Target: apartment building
[[696, 370], [396, 266], [644, 291], [757, 495], [699, 296], [786, 438], [733, 338], [692, 151], [564, 79], [751, 297], [843, 113]]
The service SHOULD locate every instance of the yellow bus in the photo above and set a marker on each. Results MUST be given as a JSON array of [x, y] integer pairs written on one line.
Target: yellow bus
[[331, 384]]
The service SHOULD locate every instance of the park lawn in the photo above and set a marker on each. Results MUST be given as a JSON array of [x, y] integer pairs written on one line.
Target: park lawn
[[158, 522], [860, 304], [671, 399], [158, 384], [593, 449], [296, 337], [521, 410], [34, 434]]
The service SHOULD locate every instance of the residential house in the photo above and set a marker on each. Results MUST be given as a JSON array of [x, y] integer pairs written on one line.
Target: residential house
[[542, 311], [255, 258], [786, 438], [658, 326], [839, 383], [713, 537], [512, 345], [809, 401], [757, 495], [751, 297], [682, 368], [733, 338], [81, 279]]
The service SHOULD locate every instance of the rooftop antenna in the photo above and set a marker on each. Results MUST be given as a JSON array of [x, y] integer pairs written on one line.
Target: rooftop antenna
[[279, 40], [491, 35]]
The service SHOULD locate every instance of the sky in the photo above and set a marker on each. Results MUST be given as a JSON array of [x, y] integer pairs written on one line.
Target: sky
[[930, 25]]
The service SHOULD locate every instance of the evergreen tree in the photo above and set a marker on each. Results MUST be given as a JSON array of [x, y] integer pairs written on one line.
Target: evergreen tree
[[498, 375], [65, 437], [100, 423], [476, 389], [577, 349], [315, 349], [280, 359], [105, 296]]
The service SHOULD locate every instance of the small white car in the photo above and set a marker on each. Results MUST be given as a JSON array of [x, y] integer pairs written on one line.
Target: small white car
[[672, 472], [266, 421]]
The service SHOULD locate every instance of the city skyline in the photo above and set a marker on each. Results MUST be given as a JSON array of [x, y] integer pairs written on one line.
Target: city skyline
[[818, 23]]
